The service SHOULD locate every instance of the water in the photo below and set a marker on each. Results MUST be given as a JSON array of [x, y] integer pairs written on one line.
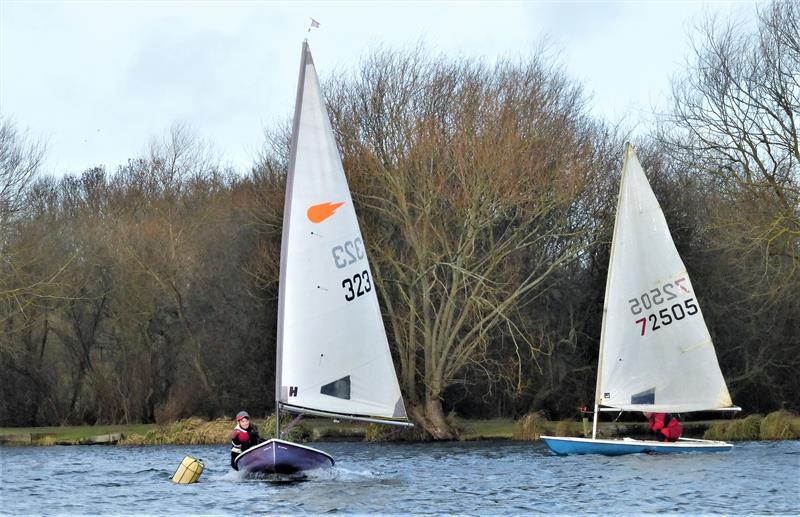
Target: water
[[449, 478]]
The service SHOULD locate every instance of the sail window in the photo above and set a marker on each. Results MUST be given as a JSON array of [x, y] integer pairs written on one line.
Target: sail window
[[644, 397], [339, 388]]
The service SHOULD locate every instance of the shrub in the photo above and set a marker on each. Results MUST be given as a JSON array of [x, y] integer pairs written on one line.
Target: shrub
[[391, 433], [530, 427], [191, 431], [736, 430], [780, 425], [716, 431], [568, 428], [297, 433]]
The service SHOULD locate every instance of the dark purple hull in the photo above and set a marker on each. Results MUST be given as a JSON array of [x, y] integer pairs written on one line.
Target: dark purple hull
[[281, 457]]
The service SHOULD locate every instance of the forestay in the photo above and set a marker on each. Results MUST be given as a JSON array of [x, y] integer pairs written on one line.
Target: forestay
[[333, 355], [656, 353]]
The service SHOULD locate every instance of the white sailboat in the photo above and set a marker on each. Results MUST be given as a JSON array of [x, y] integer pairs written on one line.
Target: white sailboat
[[656, 354], [333, 356]]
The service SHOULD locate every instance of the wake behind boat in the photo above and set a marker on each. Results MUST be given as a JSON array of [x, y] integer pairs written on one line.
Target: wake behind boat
[[333, 356], [656, 354]]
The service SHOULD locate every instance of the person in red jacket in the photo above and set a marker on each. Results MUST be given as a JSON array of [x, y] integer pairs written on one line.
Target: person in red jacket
[[665, 426], [244, 436]]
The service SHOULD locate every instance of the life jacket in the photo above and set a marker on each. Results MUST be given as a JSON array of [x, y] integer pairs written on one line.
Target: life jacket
[[241, 446]]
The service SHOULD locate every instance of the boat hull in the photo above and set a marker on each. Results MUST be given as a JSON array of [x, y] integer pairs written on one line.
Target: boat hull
[[281, 457], [564, 446]]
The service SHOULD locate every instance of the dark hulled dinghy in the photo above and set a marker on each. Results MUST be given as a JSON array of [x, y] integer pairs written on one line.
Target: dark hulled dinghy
[[281, 457], [656, 353], [333, 357]]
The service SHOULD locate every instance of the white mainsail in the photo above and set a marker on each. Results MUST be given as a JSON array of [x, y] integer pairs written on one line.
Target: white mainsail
[[656, 353], [333, 354]]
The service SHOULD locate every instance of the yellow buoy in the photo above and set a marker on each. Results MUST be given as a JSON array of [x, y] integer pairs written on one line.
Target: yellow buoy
[[188, 471]]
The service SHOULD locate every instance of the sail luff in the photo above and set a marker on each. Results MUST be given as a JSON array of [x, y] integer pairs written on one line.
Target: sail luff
[[609, 280], [287, 211]]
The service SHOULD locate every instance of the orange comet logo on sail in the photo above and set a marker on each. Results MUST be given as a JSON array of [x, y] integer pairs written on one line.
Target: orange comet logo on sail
[[318, 213]]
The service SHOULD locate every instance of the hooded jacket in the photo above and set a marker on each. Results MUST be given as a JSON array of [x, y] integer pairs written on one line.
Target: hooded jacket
[[243, 439], [665, 425]]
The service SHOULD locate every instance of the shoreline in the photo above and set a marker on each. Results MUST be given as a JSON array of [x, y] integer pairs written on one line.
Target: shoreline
[[196, 431]]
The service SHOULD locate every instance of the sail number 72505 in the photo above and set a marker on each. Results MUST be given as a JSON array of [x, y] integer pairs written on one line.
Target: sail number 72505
[[657, 296], [668, 315]]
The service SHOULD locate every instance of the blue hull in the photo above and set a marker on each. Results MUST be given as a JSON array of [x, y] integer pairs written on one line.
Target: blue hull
[[566, 446], [282, 457]]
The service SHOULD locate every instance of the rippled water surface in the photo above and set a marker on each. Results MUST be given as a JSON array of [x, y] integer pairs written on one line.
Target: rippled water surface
[[462, 478]]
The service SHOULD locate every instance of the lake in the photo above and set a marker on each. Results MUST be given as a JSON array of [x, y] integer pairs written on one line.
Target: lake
[[433, 478]]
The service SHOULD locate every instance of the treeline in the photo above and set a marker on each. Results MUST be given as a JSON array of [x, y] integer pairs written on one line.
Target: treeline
[[486, 195]]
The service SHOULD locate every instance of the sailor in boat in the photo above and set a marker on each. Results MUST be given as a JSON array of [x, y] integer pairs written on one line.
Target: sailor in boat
[[244, 436], [664, 425]]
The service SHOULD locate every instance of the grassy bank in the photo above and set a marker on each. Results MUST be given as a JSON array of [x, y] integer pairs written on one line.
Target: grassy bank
[[70, 435], [780, 425]]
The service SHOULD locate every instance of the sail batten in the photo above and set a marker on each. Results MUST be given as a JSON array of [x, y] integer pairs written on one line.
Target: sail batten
[[656, 353]]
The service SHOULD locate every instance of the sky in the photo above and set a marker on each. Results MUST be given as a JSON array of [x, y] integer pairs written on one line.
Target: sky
[[98, 80]]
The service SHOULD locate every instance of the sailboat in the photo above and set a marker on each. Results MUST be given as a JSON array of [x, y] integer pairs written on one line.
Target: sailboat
[[656, 354], [333, 357]]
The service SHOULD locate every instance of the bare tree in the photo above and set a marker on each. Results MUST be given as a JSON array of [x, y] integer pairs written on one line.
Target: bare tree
[[734, 124], [20, 159], [736, 117], [471, 177], [156, 234]]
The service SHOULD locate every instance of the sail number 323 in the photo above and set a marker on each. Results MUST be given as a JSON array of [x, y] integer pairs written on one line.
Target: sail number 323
[[346, 254], [357, 286]]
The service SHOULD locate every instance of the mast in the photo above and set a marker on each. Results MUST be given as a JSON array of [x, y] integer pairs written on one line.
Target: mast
[[598, 396], [305, 58]]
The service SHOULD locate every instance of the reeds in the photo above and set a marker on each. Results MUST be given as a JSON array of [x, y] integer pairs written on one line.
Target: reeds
[[568, 428], [196, 431], [390, 433], [530, 427], [191, 431], [298, 433], [778, 425]]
